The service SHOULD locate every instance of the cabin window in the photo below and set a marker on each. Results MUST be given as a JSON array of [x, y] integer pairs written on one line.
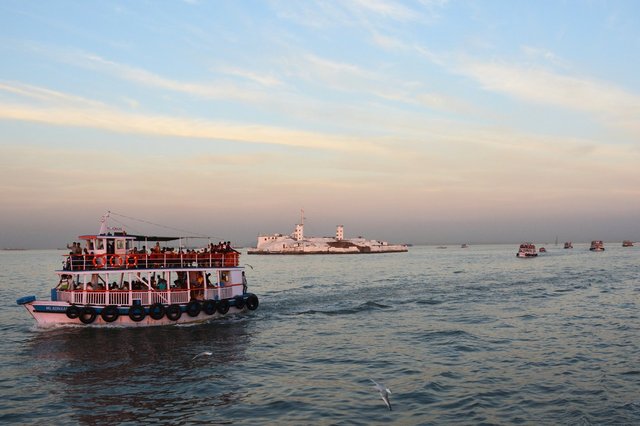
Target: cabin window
[[99, 244], [120, 244]]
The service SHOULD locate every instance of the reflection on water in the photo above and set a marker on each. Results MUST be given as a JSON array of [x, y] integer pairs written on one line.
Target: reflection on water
[[118, 375]]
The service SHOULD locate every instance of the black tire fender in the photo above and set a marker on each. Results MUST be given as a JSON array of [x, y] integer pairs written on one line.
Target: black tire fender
[[157, 311], [223, 306], [110, 313], [137, 313], [252, 302], [209, 306], [73, 312], [173, 312], [87, 315], [193, 308], [239, 302]]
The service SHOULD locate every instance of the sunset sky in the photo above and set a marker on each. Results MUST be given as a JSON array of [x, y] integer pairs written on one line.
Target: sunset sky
[[419, 121]]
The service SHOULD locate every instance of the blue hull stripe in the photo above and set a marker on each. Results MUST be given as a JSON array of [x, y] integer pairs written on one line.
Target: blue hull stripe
[[57, 309]]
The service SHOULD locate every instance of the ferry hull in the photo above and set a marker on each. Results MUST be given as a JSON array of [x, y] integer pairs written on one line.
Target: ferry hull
[[53, 314], [527, 254], [304, 252]]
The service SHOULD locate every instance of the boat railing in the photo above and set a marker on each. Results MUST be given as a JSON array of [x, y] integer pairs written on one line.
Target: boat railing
[[147, 297], [90, 262]]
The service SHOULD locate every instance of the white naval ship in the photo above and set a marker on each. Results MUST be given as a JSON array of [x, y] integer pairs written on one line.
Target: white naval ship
[[297, 243]]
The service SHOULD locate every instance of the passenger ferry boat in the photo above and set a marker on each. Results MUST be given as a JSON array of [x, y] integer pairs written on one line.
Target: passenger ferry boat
[[527, 250], [112, 282], [597, 245]]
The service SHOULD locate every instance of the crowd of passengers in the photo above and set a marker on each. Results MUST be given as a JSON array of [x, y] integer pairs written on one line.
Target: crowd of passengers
[[159, 283], [77, 255]]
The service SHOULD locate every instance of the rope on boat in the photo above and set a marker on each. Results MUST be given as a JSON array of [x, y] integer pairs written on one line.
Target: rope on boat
[[193, 234]]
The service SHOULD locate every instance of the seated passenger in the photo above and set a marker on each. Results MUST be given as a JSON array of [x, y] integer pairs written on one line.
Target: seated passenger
[[162, 284]]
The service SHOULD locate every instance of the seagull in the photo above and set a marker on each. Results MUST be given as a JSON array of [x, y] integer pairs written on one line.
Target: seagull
[[202, 354], [384, 393]]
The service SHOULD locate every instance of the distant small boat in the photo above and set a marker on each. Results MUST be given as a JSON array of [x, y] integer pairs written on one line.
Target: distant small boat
[[597, 245], [464, 246], [627, 243], [568, 245], [542, 250], [527, 250], [442, 247]]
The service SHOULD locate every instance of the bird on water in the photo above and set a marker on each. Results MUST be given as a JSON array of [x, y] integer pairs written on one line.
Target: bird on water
[[202, 354], [384, 393]]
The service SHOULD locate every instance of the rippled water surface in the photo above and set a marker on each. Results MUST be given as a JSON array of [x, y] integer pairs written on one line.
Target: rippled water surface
[[460, 336]]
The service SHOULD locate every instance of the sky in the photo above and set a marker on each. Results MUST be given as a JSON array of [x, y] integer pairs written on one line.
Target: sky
[[426, 121]]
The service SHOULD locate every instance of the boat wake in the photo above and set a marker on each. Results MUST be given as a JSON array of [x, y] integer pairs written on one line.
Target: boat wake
[[364, 307]]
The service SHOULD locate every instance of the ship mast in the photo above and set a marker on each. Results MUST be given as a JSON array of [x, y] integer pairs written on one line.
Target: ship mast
[[103, 224]]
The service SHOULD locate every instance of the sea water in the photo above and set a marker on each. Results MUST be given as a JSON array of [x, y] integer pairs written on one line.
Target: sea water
[[460, 336]]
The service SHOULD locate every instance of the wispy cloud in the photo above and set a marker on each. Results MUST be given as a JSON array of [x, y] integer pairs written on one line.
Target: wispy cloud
[[263, 79], [45, 95], [212, 90], [83, 113], [387, 9], [117, 121], [546, 55], [612, 105]]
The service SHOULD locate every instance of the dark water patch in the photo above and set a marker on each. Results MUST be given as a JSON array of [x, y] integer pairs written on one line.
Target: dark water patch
[[446, 335], [465, 403], [450, 375], [527, 317], [466, 348], [364, 307], [429, 302]]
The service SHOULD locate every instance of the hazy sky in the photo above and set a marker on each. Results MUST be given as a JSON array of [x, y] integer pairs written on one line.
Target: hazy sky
[[410, 121]]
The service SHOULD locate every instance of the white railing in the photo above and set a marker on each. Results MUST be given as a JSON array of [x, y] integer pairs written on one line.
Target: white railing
[[124, 297], [147, 297]]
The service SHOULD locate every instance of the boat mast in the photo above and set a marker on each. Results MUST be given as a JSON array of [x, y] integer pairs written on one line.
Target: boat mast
[[103, 223]]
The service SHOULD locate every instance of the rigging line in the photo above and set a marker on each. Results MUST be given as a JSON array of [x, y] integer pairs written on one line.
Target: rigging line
[[125, 225], [162, 226]]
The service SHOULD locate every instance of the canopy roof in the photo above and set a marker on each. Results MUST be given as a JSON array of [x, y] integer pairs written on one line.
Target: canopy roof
[[131, 237], [154, 238]]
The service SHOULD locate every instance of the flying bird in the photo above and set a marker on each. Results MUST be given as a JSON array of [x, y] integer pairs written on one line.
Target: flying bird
[[384, 393], [202, 354]]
